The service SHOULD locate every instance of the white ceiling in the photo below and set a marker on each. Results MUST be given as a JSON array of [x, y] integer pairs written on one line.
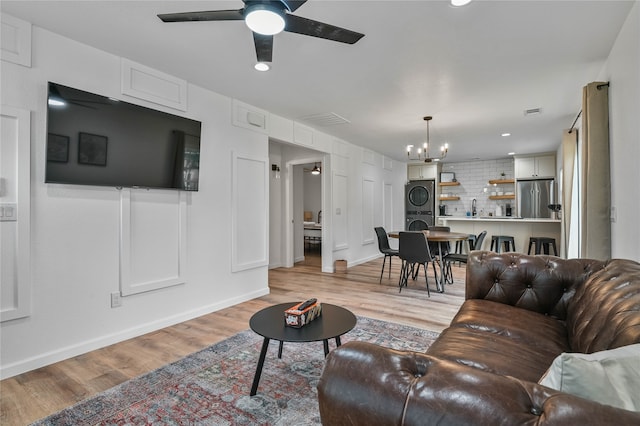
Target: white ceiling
[[475, 69]]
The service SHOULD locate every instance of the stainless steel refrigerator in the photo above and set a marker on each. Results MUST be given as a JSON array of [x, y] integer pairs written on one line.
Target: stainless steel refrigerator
[[534, 196]]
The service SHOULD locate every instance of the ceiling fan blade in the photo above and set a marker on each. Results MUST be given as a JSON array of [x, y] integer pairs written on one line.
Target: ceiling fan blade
[[293, 5], [264, 47], [299, 25], [210, 15]]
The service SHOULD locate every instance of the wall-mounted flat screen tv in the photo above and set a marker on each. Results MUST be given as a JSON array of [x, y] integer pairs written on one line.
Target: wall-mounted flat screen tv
[[97, 140]]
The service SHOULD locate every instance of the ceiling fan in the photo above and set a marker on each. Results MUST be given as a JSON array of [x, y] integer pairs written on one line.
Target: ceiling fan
[[266, 18], [314, 171]]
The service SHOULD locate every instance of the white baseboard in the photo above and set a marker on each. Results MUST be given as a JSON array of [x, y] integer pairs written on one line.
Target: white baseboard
[[363, 260], [61, 354], [351, 263]]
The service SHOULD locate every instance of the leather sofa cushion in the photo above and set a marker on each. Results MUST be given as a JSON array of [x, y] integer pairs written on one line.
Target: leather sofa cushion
[[502, 339], [605, 311], [544, 284]]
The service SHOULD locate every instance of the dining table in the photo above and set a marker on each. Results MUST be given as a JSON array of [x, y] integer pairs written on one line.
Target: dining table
[[439, 237]]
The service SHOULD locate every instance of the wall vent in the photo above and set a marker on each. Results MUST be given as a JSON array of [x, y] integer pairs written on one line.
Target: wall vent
[[324, 119], [532, 111]]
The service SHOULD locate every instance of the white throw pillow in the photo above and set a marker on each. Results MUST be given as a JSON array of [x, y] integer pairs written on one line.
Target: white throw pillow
[[609, 377]]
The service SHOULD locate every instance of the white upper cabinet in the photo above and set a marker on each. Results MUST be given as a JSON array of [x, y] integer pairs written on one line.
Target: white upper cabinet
[[422, 171], [543, 166]]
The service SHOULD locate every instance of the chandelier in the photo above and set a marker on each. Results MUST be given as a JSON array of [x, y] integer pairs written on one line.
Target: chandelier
[[422, 153]]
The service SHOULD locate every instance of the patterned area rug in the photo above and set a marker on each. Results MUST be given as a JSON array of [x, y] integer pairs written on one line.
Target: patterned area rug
[[211, 387]]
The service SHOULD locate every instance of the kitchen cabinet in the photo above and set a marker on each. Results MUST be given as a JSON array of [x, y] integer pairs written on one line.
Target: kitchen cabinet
[[543, 166], [421, 171]]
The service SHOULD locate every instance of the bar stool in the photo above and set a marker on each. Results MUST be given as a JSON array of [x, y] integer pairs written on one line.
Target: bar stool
[[472, 244], [505, 241], [543, 243]]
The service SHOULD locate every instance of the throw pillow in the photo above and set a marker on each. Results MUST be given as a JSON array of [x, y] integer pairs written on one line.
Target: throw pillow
[[609, 377]]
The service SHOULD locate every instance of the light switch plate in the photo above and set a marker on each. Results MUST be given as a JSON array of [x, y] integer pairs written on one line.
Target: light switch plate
[[8, 212]]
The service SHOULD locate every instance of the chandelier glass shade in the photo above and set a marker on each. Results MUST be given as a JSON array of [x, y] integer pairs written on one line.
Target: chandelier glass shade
[[421, 153]]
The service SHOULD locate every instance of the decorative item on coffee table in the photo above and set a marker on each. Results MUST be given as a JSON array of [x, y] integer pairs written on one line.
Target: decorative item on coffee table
[[302, 313]]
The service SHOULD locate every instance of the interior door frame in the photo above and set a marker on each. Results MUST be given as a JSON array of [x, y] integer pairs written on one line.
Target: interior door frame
[[327, 241]]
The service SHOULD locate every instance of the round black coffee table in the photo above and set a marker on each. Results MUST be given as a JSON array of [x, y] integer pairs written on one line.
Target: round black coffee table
[[269, 323]]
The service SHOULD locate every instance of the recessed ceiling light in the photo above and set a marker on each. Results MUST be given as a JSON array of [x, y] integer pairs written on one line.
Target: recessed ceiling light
[[458, 3], [262, 66], [511, 153], [505, 135]]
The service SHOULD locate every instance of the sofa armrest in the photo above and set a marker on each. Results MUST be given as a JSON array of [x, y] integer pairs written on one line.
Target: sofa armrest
[[543, 284], [365, 384]]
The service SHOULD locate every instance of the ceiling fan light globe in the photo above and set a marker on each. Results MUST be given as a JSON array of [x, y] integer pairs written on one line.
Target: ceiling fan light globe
[[263, 19], [262, 66]]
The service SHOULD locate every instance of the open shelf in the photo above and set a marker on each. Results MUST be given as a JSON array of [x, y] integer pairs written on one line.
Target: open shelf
[[501, 181], [449, 183], [449, 198], [502, 197]]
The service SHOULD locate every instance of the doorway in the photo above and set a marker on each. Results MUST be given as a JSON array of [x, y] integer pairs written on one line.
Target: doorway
[[287, 206], [311, 203]]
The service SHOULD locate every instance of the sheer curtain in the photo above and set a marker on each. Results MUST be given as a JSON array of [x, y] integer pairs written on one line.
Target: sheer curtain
[[595, 187]]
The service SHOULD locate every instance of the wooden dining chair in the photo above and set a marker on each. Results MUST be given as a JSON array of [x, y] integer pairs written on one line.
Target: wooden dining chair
[[414, 252]]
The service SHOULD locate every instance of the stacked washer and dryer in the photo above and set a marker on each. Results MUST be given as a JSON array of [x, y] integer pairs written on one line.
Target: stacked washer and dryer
[[420, 205]]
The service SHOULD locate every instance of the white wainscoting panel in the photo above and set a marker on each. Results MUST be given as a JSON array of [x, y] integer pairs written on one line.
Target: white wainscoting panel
[[340, 216], [249, 212], [152, 240], [16, 40], [152, 85], [368, 202], [15, 201], [387, 209]]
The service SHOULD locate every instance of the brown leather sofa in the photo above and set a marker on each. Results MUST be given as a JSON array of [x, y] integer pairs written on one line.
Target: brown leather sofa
[[520, 313]]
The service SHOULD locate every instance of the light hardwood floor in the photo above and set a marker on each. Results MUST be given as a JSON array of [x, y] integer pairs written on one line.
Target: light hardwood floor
[[36, 394]]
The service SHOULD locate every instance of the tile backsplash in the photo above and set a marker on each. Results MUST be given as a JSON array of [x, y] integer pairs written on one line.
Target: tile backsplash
[[474, 179]]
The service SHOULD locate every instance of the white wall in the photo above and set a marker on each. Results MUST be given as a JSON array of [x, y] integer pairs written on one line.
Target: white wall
[[622, 70], [75, 229]]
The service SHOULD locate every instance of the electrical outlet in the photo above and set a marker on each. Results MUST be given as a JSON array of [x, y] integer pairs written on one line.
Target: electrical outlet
[[116, 299]]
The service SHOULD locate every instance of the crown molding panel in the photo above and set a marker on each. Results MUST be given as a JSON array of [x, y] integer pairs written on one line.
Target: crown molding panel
[[249, 117], [16, 40], [151, 85]]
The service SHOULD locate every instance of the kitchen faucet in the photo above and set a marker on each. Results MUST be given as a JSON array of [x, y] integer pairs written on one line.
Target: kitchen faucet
[[319, 216], [473, 208]]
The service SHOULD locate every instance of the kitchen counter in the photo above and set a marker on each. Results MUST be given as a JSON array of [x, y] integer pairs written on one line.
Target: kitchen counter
[[519, 228], [496, 219]]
